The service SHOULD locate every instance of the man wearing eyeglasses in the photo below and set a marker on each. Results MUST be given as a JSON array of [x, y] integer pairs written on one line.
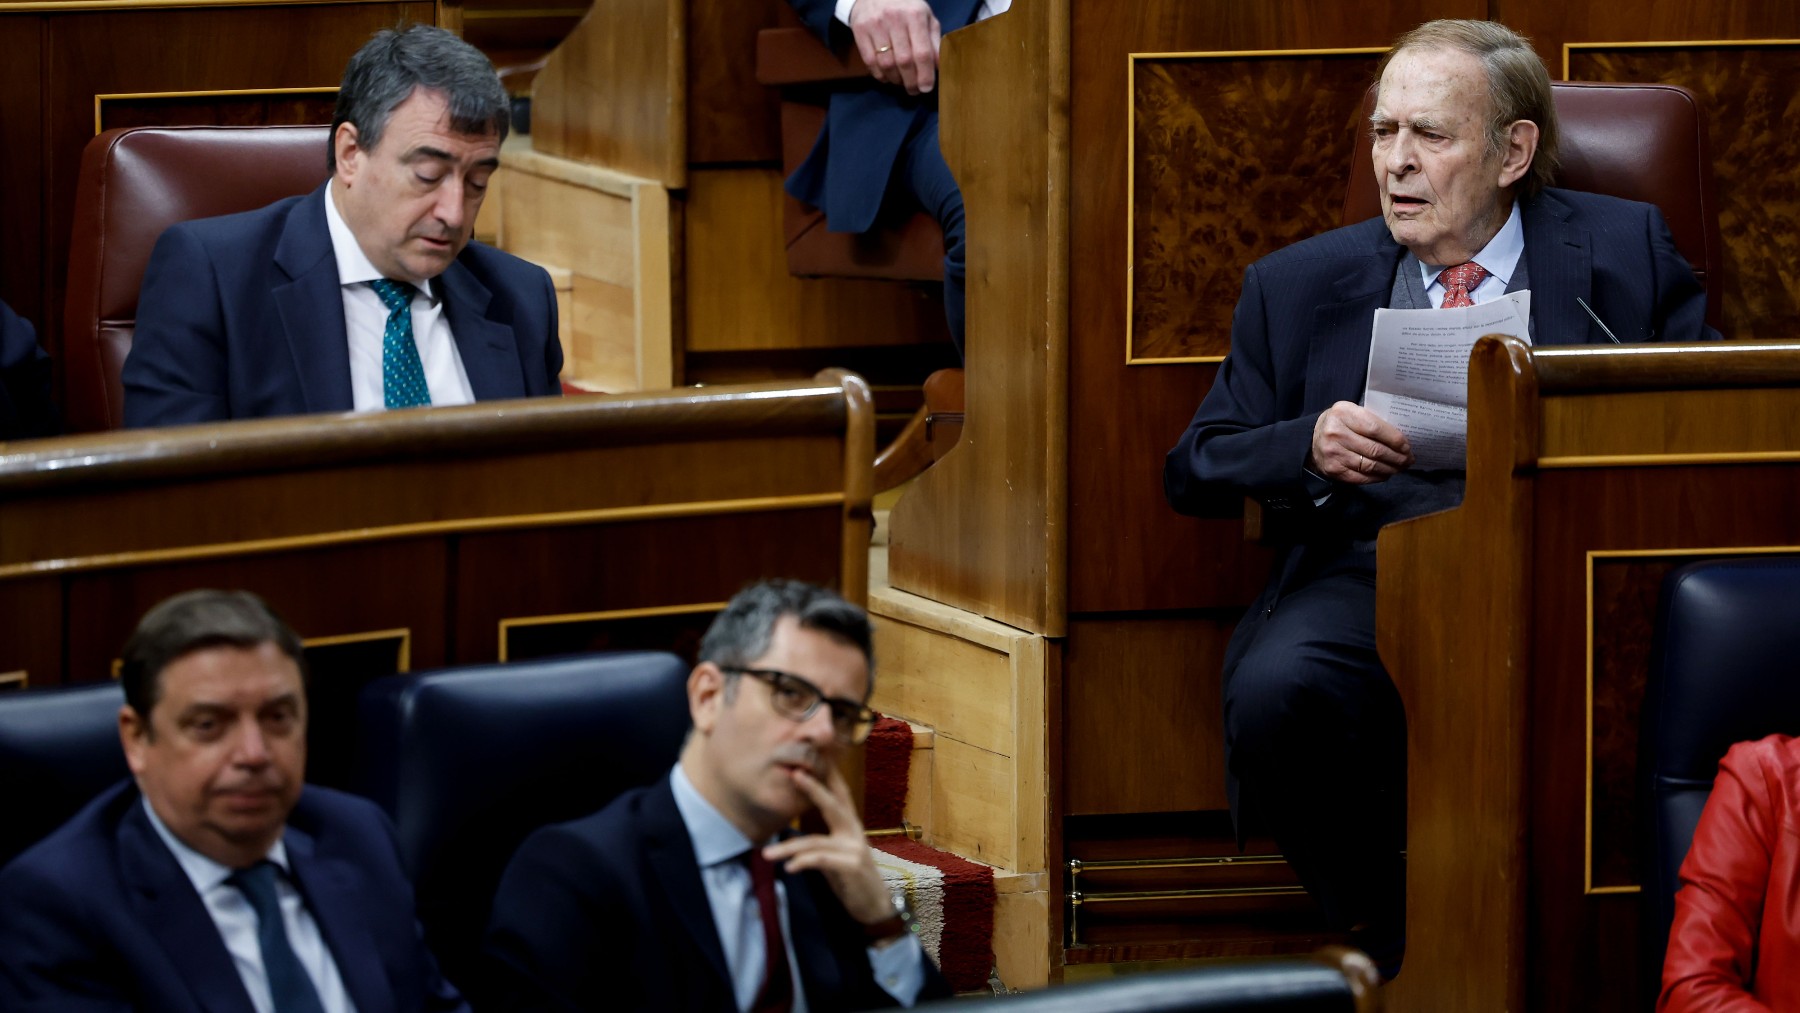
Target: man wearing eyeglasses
[[685, 895]]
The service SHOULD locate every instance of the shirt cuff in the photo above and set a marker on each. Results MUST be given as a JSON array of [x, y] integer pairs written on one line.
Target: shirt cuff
[[899, 969], [843, 10]]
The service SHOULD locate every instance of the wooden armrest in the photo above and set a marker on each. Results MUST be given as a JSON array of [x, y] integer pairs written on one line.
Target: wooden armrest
[[795, 56]]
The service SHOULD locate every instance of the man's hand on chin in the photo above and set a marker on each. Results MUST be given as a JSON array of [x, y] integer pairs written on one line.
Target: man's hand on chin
[[1355, 446], [898, 39], [842, 853]]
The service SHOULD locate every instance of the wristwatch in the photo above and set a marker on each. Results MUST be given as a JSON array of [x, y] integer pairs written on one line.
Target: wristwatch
[[895, 926]]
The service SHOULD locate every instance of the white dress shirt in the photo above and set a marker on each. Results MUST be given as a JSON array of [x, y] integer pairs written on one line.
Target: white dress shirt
[[988, 9], [236, 922], [718, 846], [365, 321], [1499, 258]]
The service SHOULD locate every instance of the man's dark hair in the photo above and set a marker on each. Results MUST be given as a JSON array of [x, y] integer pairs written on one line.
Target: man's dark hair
[[389, 66], [194, 621], [742, 631]]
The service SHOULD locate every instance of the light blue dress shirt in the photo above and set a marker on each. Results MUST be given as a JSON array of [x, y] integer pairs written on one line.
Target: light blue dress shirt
[[1499, 258], [717, 847]]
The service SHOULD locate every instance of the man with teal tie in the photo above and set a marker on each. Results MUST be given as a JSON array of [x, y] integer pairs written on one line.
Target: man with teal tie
[[366, 294]]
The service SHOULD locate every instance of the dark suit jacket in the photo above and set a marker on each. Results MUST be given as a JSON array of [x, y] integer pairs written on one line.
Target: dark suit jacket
[[1300, 343], [609, 913], [26, 408], [847, 172], [100, 916], [242, 316]]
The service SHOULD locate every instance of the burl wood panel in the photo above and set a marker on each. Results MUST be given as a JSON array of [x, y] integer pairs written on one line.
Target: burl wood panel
[[1749, 97], [1233, 158]]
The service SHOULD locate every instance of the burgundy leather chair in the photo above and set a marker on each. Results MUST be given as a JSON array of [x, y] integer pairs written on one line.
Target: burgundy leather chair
[[135, 183], [1642, 142]]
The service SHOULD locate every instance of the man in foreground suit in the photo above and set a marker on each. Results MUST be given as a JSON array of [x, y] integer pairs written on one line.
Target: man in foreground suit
[[672, 897], [26, 407], [883, 142], [367, 293], [214, 880], [1464, 143]]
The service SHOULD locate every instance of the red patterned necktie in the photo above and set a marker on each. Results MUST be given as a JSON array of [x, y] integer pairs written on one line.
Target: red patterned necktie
[[777, 995], [1458, 281]]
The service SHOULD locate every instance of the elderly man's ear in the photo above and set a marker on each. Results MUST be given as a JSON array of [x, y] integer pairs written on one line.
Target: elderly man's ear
[[1521, 148]]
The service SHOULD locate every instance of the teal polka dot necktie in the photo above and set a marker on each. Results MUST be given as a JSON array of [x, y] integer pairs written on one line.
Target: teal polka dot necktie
[[402, 374]]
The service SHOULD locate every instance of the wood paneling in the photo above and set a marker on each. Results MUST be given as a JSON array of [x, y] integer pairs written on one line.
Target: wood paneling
[[1747, 93], [633, 52], [740, 296], [442, 522], [1143, 730], [1213, 139], [731, 118], [983, 528], [1496, 618]]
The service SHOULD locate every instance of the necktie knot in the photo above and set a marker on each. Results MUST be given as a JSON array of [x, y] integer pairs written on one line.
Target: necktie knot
[[257, 884], [395, 295], [1459, 280]]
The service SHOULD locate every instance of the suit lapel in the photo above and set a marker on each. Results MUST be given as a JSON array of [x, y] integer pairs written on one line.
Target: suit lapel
[[166, 904], [1337, 358], [678, 874], [329, 888], [489, 354], [311, 306], [1559, 261]]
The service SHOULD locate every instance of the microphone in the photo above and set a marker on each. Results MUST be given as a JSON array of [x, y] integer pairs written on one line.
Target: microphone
[[1597, 320]]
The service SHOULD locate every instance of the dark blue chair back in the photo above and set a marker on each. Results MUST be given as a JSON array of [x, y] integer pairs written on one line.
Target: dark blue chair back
[[1336, 980], [469, 761], [58, 749], [1722, 671]]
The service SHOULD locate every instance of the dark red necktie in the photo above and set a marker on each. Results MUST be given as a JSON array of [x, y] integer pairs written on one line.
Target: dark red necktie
[[777, 995], [1459, 281]]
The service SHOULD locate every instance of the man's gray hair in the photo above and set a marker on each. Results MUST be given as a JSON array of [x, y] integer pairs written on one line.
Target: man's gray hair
[[386, 70], [1517, 82], [741, 632]]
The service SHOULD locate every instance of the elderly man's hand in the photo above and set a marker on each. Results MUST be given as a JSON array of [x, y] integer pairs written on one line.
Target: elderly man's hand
[[1353, 445], [842, 853], [898, 39]]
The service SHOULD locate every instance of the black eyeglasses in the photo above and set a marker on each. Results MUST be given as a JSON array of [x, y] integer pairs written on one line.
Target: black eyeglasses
[[796, 699]]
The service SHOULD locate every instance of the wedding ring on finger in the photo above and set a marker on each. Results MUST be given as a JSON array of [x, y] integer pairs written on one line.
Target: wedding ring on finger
[[883, 49]]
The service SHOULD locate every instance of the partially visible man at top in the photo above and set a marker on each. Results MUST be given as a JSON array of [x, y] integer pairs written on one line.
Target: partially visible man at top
[[684, 895], [882, 143], [367, 293], [1464, 145], [214, 880]]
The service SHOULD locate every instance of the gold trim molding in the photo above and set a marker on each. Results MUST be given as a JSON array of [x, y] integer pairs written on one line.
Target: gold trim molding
[[1667, 460], [569, 618], [1131, 166], [1587, 784], [1569, 48], [20, 679], [466, 525], [403, 634], [71, 6], [102, 97]]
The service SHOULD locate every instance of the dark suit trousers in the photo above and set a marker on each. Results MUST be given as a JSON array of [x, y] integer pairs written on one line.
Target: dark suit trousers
[[925, 178], [1316, 737]]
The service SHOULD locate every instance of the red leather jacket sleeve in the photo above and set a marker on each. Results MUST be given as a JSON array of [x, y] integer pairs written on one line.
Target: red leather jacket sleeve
[[1725, 882]]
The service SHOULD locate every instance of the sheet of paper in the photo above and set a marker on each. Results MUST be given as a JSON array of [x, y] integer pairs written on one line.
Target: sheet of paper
[[1419, 371]]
